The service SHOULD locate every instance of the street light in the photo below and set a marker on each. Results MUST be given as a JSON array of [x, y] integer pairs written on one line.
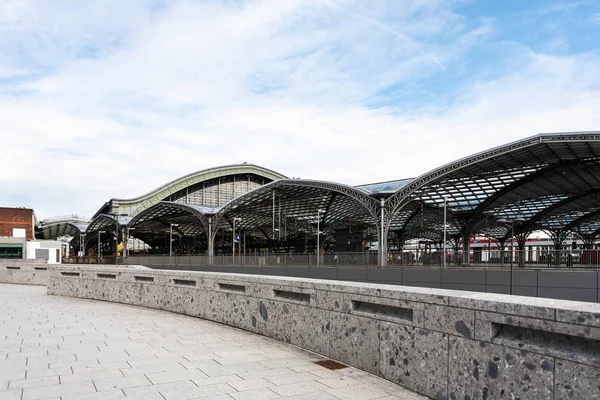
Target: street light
[[445, 227], [319, 212], [512, 246], [82, 244], [116, 240], [99, 246], [171, 244], [233, 238]]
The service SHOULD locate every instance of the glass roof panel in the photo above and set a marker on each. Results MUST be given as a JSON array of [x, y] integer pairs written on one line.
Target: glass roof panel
[[389, 186]]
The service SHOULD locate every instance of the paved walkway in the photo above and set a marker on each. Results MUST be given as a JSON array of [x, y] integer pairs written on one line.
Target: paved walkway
[[73, 349]]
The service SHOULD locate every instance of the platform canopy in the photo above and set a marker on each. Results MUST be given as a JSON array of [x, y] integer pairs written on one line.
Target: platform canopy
[[280, 210], [66, 225], [155, 223], [546, 182], [289, 206]]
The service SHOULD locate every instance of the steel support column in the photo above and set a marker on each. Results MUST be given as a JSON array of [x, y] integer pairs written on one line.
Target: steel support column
[[382, 237], [210, 242]]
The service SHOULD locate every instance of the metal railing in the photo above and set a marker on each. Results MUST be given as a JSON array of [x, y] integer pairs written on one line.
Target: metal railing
[[258, 259], [528, 259], [91, 260]]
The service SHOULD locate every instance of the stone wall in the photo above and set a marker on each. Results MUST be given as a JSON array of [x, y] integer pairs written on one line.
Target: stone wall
[[33, 272], [24, 273], [442, 343], [578, 285]]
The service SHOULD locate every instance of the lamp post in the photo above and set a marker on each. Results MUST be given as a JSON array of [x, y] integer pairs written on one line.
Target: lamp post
[[171, 244], [512, 234], [99, 244], [82, 244], [116, 240], [236, 219], [445, 227], [319, 212], [383, 261]]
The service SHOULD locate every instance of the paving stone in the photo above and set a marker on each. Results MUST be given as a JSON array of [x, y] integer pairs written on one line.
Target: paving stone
[[198, 392], [108, 395], [14, 394], [91, 376], [39, 373], [105, 350], [250, 384], [313, 396], [299, 388], [263, 394], [141, 391], [175, 376], [295, 377], [121, 383], [339, 382], [168, 367], [66, 389], [360, 392], [33, 382]]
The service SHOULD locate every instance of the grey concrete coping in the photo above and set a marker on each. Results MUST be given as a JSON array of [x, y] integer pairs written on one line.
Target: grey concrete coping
[[24, 274], [36, 273], [445, 344]]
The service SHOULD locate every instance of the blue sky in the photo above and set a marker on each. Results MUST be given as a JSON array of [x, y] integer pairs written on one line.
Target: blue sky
[[104, 99]]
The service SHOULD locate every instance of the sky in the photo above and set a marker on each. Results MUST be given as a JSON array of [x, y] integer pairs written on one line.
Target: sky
[[109, 99]]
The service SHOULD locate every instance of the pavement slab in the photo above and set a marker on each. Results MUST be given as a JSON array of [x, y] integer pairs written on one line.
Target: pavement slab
[[66, 348]]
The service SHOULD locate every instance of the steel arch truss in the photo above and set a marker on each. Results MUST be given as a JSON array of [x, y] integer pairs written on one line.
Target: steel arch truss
[[154, 223], [547, 181], [177, 189], [294, 204]]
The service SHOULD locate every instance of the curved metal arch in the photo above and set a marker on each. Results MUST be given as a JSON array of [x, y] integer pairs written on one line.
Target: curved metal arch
[[398, 200], [193, 210], [95, 222], [359, 195], [159, 194], [70, 227]]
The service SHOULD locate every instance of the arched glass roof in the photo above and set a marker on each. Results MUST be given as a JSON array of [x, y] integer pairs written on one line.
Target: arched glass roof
[[545, 182], [180, 187]]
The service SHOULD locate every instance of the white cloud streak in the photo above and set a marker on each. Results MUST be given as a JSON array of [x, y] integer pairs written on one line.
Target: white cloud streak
[[118, 99]]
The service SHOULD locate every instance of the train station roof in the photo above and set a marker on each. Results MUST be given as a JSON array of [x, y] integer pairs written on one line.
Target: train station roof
[[545, 182]]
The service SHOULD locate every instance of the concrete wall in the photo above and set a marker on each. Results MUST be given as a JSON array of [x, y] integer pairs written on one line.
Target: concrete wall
[[24, 273], [442, 343], [555, 284], [33, 272]]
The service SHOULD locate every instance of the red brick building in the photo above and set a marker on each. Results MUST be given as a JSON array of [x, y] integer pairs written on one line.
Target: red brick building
[[20, 218]]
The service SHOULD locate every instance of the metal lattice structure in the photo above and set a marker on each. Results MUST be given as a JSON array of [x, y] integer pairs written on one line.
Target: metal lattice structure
[[546, 182], [67, 225], [182, 188]]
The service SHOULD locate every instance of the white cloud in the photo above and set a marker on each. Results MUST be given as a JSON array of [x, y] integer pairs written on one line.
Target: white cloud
[[132, 97]]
